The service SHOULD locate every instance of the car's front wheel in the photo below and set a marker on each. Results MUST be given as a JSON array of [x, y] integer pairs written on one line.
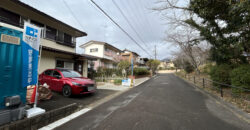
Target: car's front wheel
[[67, 91]]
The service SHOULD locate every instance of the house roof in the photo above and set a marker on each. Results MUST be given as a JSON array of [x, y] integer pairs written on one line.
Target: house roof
[[131, 52], [84, 56], [99, 42], [25, 10]]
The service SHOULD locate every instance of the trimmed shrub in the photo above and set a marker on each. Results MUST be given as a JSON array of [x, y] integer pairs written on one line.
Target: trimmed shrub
[[141, 71], [108, 72], [91, 73], [240, 76], [118, 81], [221, 73]]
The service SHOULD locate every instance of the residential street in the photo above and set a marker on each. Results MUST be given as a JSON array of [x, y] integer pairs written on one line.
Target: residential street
[[162, 103]]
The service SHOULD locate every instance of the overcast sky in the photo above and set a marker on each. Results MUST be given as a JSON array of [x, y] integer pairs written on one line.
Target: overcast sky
[[148, 23]]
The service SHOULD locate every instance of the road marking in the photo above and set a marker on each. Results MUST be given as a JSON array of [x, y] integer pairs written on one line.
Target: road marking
[[156, 77], [65, 119], [164, 83]]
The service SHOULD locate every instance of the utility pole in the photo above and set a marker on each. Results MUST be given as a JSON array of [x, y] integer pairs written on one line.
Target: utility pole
[[132, 71], [155, 52]]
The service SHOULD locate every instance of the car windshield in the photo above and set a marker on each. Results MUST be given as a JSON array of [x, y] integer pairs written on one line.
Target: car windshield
[[70, 74]]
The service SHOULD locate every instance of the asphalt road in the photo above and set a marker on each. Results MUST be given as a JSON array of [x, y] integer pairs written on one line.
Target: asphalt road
[[162, 103]]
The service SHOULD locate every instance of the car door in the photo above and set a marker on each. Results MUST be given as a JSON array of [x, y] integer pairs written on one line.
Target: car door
[[56, 80], [46, 77]]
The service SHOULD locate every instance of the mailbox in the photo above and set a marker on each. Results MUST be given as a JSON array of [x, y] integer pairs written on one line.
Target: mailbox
[[12, 93]]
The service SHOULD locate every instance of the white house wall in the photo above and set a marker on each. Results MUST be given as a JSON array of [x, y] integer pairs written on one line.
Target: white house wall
[[99, 53]]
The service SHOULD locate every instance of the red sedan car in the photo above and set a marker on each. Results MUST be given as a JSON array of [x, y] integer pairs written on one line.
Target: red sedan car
[[68, 82]]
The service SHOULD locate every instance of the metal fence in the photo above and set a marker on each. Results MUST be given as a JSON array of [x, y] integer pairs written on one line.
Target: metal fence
[[238, 95]]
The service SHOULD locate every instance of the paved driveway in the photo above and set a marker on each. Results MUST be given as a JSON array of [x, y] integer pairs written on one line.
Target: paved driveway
[[58, 100]]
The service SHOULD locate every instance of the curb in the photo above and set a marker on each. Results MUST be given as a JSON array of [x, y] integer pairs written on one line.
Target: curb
[[229, 106]]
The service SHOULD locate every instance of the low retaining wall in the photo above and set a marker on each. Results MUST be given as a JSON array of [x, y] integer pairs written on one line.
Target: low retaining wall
[[39, 121]]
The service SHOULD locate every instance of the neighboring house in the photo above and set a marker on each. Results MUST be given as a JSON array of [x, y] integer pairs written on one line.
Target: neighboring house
[[129, 55], [166, 64], [58, 40], [162, 65], [143, 61], [108, 55], [170, 65]]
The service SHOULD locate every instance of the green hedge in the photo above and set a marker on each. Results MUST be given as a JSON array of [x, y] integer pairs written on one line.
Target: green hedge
[[118, 81], [108, 72], [221, 73], [240, 76], [141, 71]]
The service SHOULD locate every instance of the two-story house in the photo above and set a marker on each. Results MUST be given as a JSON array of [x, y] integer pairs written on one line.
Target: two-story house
[[58, 40], [129, 55], [143, 61], [108, 55]]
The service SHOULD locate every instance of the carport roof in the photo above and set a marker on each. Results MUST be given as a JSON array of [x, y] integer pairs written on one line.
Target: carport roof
[[84, 56]]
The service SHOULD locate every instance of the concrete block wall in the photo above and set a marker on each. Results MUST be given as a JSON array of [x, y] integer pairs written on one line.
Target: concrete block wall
[[39, 121]]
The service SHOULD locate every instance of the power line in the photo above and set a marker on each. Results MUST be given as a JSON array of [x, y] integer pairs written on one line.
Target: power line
[[137, 16], [119, 27], [65, 3], [140, 18], [150, 26], [120, 10]]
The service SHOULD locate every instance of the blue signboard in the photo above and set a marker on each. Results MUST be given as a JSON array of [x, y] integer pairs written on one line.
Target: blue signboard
[[30, 54]]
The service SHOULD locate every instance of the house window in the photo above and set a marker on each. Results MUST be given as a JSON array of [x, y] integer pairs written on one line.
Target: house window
[[64, 64], [67, 39], [60, 36], [50, 33], [69, 65], [60, 64], [9, 17], [94, 50]]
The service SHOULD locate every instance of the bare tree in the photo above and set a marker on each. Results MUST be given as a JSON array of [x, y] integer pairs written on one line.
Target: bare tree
[[191, 46]]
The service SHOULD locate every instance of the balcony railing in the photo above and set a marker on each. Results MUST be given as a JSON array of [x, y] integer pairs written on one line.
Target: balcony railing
[[63, 42], [7, 21]]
